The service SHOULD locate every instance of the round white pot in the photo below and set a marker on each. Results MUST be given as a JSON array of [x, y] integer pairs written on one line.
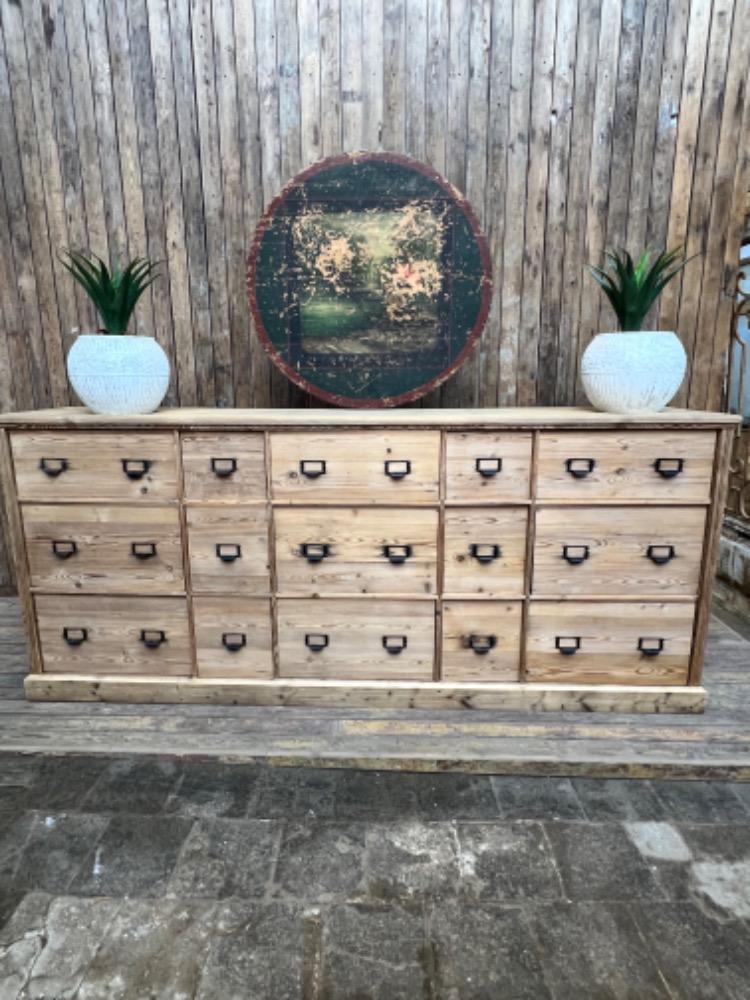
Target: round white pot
[[633, 372], [118, 374]]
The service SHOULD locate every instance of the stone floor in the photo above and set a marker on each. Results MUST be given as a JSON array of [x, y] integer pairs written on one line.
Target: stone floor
[[144, 879]]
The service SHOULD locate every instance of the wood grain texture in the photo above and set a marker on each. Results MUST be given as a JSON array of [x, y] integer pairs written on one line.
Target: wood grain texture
[[485, 551], [487, 467], [228, 549], [481, 641], [224, 467], [232, 637]]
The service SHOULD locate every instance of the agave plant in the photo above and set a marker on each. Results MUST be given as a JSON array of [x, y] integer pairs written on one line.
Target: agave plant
[[114, 295], [633, 288]]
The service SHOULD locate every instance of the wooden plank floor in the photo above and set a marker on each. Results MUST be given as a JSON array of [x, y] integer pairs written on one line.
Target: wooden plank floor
[[713, 745]]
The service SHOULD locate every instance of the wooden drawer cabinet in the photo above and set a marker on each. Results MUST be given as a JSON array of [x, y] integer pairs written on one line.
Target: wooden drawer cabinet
[[356, 467], [626, 465], [482, 640], [96, 466], [114, 635], [228, 549], [362, 550], [603, 643], [472, 558], [233, 637], [485, 551], [341, 639], [100, 548]]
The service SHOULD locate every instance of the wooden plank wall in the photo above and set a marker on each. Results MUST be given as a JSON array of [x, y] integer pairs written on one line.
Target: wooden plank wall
[[163, 127]]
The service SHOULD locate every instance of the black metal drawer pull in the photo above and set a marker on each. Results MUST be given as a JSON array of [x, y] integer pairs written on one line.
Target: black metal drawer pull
[[660, 554], [485, 552], [397, 468], [75, 636], [136, 468], [650, 647], [394, 644], [397, 554], [481, 644], [228, 552], [568, 645], [668, 468], [488, 467], [312, 468], [52, 467], [575, 554], [315, 552], [143, 550], [316, 641], [234, 641], [64, 549], [152, 638], [223, 468], [579, 468]]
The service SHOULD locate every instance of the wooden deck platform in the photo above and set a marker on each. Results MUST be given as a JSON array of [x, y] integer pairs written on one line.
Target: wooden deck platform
[[713, 745]]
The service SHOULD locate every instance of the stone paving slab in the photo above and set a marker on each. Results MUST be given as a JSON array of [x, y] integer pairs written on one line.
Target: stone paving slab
[[145, 879]]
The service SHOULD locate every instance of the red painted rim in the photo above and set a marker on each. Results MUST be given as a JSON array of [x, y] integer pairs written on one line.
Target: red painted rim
[[474, 334]]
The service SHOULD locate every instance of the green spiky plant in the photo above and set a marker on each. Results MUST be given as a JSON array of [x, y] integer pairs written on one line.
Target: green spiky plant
[[114, 295], [633, 288]]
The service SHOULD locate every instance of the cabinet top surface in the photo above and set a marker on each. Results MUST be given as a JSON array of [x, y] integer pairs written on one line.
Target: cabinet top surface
[[489, 417]]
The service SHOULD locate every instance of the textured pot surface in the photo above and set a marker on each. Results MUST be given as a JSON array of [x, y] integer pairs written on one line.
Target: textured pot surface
[[633, 372], [118, 374]]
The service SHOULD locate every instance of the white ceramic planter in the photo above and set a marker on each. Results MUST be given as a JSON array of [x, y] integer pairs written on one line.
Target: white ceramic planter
[[118, 374], [633, 372]]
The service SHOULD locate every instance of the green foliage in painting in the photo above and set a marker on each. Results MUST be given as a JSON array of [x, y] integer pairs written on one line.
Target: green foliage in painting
[[633, 288], [114, 295]]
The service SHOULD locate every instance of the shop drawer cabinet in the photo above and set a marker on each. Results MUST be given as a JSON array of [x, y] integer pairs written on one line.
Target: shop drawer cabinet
[[539, 558]]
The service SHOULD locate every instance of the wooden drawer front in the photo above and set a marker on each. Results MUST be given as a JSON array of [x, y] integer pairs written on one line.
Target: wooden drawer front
[[233, 636], [347, 640], [94, 548], [485, 551], [358, 551], [228, 549], [484, 466], [630, 465], [356, 466], [618, 550], [114, 635], [224, 466], [481, 640], [94, 466], [603, 643]]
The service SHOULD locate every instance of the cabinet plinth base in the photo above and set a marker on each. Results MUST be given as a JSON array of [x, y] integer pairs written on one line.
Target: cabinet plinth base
[[368, 694]]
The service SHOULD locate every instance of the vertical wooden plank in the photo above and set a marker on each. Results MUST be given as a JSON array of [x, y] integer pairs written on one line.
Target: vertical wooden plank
[[458, 85], [352, 116], [497, 142], [515, 198], [536, 201], [647, 85], [587, 48], [47, 347], [211, 182], [233, 198], [461, 389], [194, 208], [394, 75], [684, 157], [599, 175], [175, 267], [329, 15], [712, 340], [309, 81], [670, 92], [372, 74], [561, 120], [424, 66], [714, 90], [151, 169], [16, 386], [252, 184]]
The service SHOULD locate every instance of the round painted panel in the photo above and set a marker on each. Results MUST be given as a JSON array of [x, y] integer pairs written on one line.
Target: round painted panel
[[369, 280]]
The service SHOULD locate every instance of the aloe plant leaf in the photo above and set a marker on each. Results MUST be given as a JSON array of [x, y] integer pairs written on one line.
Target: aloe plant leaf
[[114, 293]]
